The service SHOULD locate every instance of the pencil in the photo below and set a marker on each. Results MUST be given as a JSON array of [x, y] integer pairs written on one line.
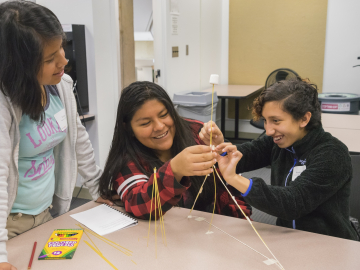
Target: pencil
[[32, 255]]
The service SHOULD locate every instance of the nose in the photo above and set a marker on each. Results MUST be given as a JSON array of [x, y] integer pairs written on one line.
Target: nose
[[158, 125], [62, 61], [270, 131]]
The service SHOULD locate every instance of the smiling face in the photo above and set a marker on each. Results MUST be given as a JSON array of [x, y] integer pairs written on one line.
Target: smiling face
[[154, 127], [54, 63], [282, 126]]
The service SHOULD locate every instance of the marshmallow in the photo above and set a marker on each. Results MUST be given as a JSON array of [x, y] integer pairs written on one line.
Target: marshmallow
[[214, 79]]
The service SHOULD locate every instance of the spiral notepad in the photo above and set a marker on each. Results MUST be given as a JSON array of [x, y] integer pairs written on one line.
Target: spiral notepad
[[104, 219]]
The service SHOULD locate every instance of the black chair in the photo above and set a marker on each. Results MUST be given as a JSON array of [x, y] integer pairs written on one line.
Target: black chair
[[257, 124]]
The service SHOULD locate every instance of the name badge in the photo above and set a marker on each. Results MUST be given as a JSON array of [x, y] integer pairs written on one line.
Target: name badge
[[297, 171], [61, 119]]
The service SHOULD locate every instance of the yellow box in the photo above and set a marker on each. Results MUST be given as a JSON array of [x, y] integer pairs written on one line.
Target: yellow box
[[61, 245]]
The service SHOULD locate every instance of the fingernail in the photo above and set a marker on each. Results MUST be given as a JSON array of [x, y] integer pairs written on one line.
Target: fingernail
[[215, 160]]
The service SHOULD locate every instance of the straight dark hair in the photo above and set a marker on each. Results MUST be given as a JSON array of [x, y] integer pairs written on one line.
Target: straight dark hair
[[297, 97], [25, 27], [125, 147]]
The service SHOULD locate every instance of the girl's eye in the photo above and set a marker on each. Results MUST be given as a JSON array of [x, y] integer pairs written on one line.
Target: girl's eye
[[145, 124], [49, 61], [164, 115]]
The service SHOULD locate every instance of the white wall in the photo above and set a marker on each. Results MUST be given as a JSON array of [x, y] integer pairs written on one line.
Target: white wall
[[203, 25], [142, 14], [342, 47], [100, 18], [214, 41]]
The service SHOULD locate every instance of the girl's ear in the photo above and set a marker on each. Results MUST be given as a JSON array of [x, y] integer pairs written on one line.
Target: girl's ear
[[305, 119]]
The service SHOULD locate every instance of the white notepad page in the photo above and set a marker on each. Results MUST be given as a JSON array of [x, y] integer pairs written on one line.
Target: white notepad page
[[103, 219]]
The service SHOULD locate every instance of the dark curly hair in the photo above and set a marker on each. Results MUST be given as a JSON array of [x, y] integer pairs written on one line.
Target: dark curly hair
[[297, 97]]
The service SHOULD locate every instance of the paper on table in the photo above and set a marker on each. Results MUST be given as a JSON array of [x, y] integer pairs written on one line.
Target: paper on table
[[104, 219]]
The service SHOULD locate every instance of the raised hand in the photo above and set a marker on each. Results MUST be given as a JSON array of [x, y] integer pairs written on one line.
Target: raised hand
[[108, 202], [217, 136], [227, 164], [195, 160]]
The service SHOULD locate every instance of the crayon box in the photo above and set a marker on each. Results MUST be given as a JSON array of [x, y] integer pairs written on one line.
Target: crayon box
[[61, 245]]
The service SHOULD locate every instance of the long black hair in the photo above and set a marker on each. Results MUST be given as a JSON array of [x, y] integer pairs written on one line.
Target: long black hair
[[25, 27], [298, 97], [125, 147]]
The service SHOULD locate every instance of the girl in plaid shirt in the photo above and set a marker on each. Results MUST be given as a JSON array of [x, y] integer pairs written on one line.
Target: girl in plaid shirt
[[149, 133]]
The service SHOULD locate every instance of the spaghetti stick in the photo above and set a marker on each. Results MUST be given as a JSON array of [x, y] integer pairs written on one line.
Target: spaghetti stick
[[152, 195], [158, 214], [237, 240], [278, 263], [92, 242], [102, 237], [161, 218], [157, 198], [212, 109], [161, 214], [197, 196], [102, 256], [112, 245], [155, 185], [200, 190], [157, 202], [212, 216], [107, 241]]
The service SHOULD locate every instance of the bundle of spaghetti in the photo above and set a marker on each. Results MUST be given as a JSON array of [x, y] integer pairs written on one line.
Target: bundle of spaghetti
[[155, 199], [247, 218]]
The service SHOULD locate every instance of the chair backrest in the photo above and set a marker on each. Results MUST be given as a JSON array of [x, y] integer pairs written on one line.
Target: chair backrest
[[279, 75], [355, 187], [257, 124]]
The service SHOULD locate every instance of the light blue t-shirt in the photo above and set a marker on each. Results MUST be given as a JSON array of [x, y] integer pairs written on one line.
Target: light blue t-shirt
[[36, 158]]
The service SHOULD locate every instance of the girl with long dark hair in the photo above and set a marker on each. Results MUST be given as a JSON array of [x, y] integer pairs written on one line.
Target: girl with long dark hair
[[310, 169], [149, 133], [43, 143]]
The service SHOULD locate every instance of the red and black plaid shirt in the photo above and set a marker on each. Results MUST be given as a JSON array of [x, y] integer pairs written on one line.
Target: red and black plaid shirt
[[135, 189]]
